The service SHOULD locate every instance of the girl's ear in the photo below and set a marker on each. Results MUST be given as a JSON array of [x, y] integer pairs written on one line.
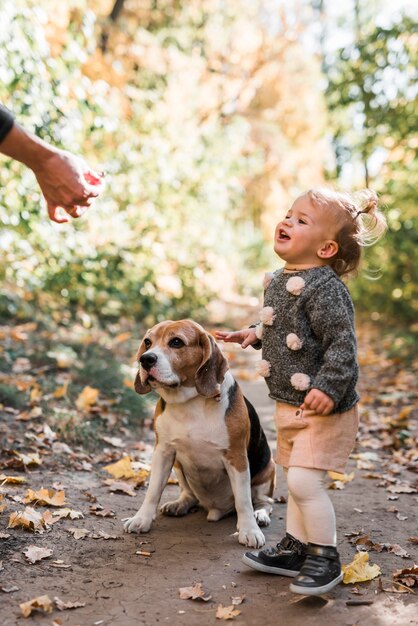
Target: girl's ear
[[328, 249]]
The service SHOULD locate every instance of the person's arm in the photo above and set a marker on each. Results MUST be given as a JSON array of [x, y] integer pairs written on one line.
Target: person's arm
[[65, 180], [246, 337]]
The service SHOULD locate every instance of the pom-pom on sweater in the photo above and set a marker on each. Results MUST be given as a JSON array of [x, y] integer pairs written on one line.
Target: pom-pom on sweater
[[311, 339]]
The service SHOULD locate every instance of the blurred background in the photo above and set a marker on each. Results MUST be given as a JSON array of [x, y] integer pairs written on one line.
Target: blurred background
[[209, 117]]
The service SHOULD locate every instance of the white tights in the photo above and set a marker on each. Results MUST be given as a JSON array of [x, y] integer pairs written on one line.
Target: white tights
[[310, 513]]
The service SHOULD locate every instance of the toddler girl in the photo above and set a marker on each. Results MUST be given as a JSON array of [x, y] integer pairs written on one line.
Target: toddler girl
[[307, 335]]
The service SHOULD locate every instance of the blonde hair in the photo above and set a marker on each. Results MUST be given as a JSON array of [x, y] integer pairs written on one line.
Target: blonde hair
[[358, 222]]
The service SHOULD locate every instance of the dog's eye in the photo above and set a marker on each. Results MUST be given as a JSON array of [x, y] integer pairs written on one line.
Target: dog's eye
[[176, 342], [147, 343]]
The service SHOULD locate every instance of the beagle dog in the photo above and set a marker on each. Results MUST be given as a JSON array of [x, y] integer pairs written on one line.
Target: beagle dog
[[206, 429]]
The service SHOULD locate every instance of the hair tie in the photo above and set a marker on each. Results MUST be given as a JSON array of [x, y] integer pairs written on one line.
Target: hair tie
[[357, 214]]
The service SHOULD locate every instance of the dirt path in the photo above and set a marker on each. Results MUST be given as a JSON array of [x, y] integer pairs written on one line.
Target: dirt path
[[123, 588]]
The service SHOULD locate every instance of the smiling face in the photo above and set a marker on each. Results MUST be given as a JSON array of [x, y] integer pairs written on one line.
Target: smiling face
[[305, 236]]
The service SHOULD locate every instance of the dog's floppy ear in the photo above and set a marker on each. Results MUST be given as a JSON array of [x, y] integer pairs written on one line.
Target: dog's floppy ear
[[212, 369], [140, 387]]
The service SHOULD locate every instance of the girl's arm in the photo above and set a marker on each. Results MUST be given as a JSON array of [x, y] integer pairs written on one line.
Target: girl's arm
[[246, 337]]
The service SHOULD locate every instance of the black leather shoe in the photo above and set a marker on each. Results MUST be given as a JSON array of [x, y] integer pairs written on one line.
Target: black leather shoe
[[320, 572], [285, 559]]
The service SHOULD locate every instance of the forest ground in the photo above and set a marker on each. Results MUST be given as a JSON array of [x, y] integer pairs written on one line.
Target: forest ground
[[129, 580]]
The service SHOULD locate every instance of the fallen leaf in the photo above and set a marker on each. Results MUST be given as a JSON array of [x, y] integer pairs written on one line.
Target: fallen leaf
[[237, 600], [62, 606], [344, 478], [71, 513], [102, 535], [87, 398], [78, 533], [61, 392], [407, 576], [227, 612], [99, 511], [120, 486], [11, 480], [43, 603], [401, 488], [359, 570], [29, 519], [116, 442], [123, 469], [194, 593], [45, 497], [26, 460], [35, 553]]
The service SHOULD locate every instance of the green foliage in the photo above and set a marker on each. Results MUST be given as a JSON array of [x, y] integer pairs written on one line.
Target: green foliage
[[162, 231], [371, 96]]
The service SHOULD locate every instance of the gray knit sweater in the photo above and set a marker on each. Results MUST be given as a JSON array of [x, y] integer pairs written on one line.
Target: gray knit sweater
[[311, 341]]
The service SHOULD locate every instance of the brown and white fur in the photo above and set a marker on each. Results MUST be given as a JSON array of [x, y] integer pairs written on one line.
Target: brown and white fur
[[206, 429]]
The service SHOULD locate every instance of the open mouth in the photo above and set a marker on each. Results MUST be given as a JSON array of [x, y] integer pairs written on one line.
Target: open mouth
[[283, 236]]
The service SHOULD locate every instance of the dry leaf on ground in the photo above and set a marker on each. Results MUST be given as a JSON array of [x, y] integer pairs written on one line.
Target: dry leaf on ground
[[11, 480], [407, 576], [121, 486], [227, 612], [194, 593], [30, 520], [359, 570], [87, 398], [45, 497], [124, 469], [43, 603], [78, 533], [36, 553], [62, 606], [66, 512]]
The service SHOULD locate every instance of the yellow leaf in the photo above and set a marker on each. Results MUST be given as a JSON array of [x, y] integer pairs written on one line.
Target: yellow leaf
[[35, 394], [60, 392], [129, 383], [87, 398], [124, 469], [11, 480], [343, 478], [121, 469], [41, 602], [359, 570], [45, 496]]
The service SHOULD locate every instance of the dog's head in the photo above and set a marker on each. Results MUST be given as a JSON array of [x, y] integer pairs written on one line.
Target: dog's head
[[179, 354]]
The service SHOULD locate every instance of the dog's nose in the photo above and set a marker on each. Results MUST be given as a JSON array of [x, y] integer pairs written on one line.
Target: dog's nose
[[148, 359]]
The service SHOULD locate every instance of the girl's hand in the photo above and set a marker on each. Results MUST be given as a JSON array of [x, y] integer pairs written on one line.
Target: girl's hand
[[246, 337], [319, 402]]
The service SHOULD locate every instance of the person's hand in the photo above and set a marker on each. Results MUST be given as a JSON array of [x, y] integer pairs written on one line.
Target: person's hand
[[246, 337], [318, 401], [68, 183]]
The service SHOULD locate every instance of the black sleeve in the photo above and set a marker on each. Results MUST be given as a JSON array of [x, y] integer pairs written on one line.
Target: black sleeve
[[6, 122]]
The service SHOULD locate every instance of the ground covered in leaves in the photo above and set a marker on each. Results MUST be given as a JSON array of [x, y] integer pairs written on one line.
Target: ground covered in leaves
[[73, 463]]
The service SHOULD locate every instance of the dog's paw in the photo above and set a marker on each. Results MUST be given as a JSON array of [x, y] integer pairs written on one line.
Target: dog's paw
[[262, 517], [251, 537], [137, 524], [177, 508]]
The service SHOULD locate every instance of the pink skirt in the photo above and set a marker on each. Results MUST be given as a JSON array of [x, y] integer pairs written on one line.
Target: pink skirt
[[305, 439]]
